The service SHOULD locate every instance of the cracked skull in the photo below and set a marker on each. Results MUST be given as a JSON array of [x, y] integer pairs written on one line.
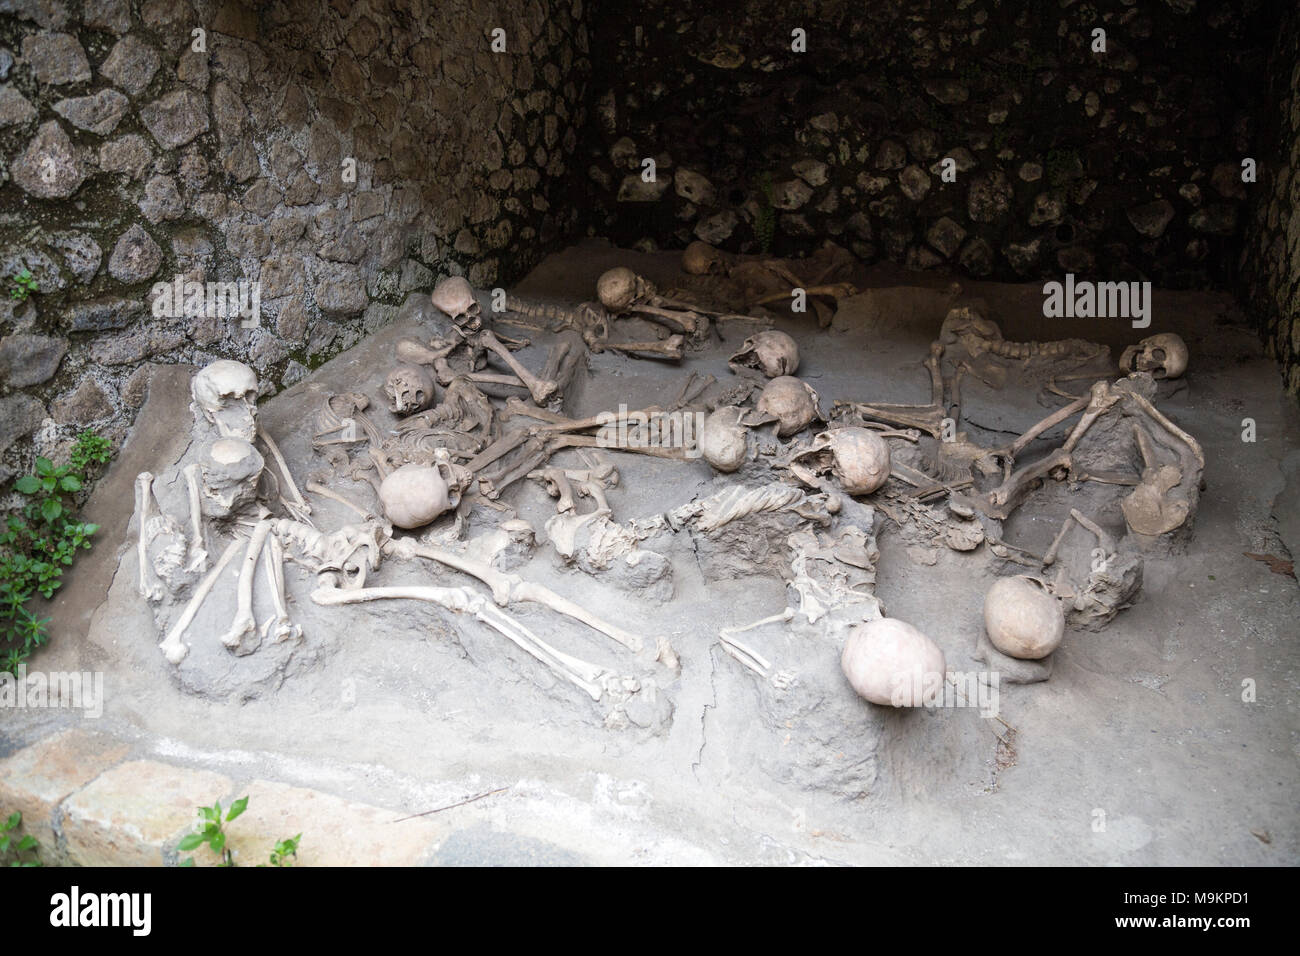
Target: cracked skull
[[1163, 355], [409, 389], [700, 259], [455, 297], [225, 396], [229, 470], [792, 401], [772, 352], [1022, 618], [857, 457], [621, 288]]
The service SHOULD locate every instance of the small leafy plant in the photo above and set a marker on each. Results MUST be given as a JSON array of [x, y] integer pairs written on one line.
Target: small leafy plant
[[281, 852], [23, 850], [212, 834], [24, 284], [39, 541]]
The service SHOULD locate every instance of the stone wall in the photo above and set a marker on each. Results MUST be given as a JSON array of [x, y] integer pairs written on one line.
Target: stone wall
[[1124, 164], [128, 157], [1270, 257]]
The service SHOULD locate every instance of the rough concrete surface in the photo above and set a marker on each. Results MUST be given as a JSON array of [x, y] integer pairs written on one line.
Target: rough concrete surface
[[1139, 749]]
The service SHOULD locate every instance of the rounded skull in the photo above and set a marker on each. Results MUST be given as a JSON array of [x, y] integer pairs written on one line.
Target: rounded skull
[[229, 471], [619, 288], [1163, 355], [772, 352], [792, 401], [225, 396], [700, 259], [455, 296], [724, 440], [409, 389], [1022, 619], [890, 662], [857, 457], [415, 494]]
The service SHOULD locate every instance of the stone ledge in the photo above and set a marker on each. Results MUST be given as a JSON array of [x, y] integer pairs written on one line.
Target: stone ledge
[[36, 779], [136, 813], [88, 805], [336, 832]]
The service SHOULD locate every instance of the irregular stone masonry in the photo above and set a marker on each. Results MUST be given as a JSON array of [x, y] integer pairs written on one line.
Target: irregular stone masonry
[[1270, 255], [1065, 159], [135, 157]]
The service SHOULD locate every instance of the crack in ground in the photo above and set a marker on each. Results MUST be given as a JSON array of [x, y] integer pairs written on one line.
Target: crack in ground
[[704, 714]]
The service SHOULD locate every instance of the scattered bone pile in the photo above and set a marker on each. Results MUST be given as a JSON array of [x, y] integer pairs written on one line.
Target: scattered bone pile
[[466, 420]]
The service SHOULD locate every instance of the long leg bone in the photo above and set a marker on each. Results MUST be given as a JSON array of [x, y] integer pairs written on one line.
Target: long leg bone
[[1104, 540], [592, 441], [198, 555], [1060, 415], [682, 321], [508, 588], [535, 450], [540, 390], [672, 347], [244, 623], [172, 646], [587, 676], [285, 629], [749, 657], [151, 587]]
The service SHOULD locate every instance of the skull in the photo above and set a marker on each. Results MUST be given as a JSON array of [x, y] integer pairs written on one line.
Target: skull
[[771, 352], [415, 494], [701, 259], [723, 439], [409, 389], [621, 288], [858, 457], [890, 662], [455, 296], [229, 471], [1022, 619], [1163, 355], [967, 326], [224, 394], [793, 402]]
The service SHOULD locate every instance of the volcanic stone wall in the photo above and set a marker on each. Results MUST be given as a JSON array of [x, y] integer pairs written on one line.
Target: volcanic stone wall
[[1270, 257], [1123, 163], [145, 139]]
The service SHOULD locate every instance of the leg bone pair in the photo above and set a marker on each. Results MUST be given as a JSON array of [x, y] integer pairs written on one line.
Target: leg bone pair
[[172, 646], [591, 678]]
